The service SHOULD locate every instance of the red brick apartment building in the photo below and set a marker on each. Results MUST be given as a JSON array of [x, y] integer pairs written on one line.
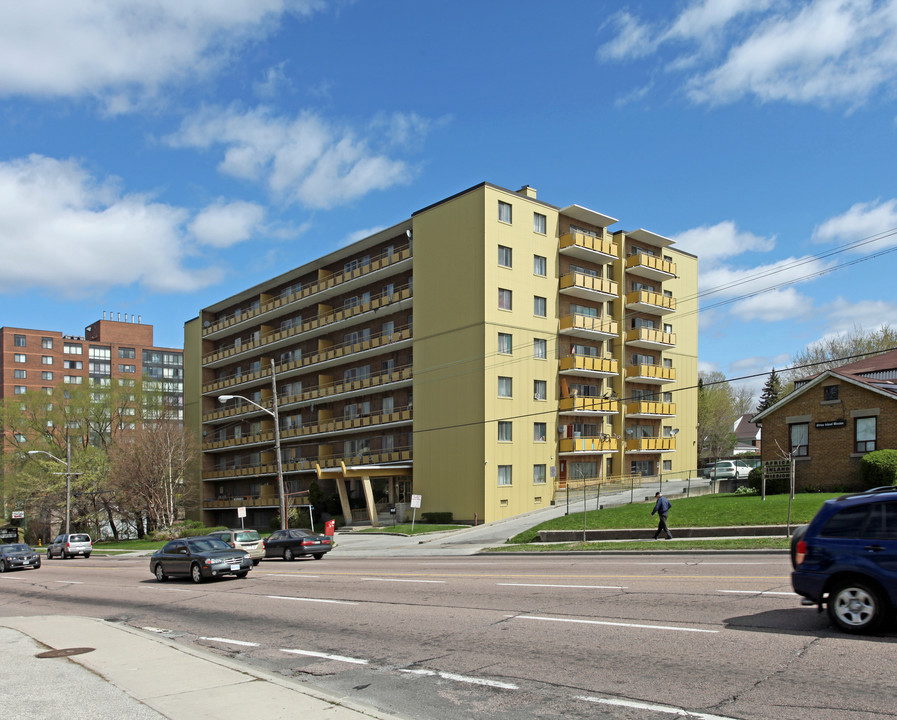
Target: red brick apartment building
[[832, 419], [37, 360]]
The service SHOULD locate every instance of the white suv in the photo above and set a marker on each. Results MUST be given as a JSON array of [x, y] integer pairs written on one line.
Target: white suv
[[728, 469], [66, 546]]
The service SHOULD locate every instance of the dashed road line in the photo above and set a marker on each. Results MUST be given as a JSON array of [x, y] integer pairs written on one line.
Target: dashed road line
[[463, 678], [326, 656], [401, 580], [230, 642], [613, 624], [759, 592], [318, 600], [587, 587], [667, 709]]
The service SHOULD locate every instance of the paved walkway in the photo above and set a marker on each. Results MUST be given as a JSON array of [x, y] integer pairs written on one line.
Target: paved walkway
[[134, 674]]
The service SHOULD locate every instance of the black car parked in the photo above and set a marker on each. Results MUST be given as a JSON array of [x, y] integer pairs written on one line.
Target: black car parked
[[18, 556], [199, 558], [846, 558], [290, 544]]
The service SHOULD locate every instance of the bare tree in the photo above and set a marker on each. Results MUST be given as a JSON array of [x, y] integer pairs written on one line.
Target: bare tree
[[838, 350]]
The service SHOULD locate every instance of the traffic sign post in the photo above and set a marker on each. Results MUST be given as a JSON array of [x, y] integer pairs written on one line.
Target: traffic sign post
[[415, 504]]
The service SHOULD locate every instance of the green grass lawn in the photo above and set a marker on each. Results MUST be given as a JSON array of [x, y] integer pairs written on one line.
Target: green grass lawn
[[701, 511], [419, 528], [746, 543]]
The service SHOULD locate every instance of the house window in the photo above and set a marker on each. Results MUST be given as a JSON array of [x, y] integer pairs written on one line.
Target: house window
[[540, 266], [539, 432], [504, 474], [505, 387], [540, 348], [539, 223], [19, 340], [539, 306], [504, 256], [800, 439], [46, 343], [504, 212], [19, 357], [539, 474], [830, 392], [540, 390], [504, 431], [504, 343], [20, 374], [865, 430], [504, 299]]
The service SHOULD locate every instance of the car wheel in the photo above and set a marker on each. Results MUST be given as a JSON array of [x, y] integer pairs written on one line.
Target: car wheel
[[855, 607], [256, 562], [318, 556], [288, 555], [2, 566], [86, 555], [195, 573], [796, 537], [37, 565], [242, 573], [160, 575]]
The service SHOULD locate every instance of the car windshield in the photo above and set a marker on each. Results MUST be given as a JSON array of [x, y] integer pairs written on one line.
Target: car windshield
[[206, 544], [8, 549], [247, 536], [79, 538]]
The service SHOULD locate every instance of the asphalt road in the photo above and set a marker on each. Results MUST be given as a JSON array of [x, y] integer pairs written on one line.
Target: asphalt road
[[625, 636]]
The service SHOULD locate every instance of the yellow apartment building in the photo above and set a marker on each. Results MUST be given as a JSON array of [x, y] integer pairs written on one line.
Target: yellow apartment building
[[479, 355]]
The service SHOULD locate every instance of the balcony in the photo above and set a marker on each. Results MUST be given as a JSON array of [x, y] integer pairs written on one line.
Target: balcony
[[650, 444], [588, 406], [588, 248], [588, 445], [650, 338], [588, 287], [585, 365], [400, 455], [591, 328], [654, 374], [650, 409], [650, 302], [651, 267], [335, 284]]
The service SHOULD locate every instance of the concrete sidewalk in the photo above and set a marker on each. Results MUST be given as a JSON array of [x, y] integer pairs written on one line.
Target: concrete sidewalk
[[129, 673]]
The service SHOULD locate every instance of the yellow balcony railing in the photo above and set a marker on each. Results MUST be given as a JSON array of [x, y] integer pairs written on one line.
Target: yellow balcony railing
[[656, 372], [587, 242], [589, 324], [650, 408], [650, 335], [589, 364], [589, 283], [650, 444], [646, 297], [589, 404], [588, 444], [649, 261]]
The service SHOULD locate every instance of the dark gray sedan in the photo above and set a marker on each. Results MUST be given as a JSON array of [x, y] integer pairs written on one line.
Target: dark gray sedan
[[18, 556], [290, 544], [199, 558]]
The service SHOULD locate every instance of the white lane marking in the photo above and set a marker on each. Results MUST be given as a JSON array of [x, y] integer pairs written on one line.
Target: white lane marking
[[587, 587], [69, 582], [339, 658], [292, 575], [160, 631], [164, 589], [319, 600], [7, 577], [436, 582], [615, 624], [759, 592], [668, 709], [463, 678], [230, 642]]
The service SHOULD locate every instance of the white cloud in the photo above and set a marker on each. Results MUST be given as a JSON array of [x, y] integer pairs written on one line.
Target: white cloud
[[275, 78], [728, 282], [799, 51], [123, 52], [785, 304], [843, 317], [62, 230], [303, 159], [863, 220], [224, 224], [359, 235], [712, 242]]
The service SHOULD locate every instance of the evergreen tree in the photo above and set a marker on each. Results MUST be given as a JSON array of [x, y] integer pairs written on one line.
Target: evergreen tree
[[772, 391]]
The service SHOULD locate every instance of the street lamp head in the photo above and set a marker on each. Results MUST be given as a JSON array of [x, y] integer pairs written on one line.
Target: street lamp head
[[225, 398]]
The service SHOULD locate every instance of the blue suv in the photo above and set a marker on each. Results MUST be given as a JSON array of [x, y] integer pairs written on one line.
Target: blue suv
[[847, 558]]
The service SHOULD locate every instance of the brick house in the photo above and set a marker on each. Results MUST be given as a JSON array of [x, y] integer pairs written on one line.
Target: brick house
[[829, 421]]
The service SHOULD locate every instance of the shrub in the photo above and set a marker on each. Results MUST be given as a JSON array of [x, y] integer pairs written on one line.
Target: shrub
[[745, 490], [437, 518], [183, 529], [773, 487], [879, 468]]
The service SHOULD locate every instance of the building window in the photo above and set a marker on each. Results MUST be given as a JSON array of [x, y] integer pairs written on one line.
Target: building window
[[46, 343], [504, 256], [830, 392], [504, 431], [539, 223], [540, 390], [800, 439], [540, 266], [127, 353], [19, 357], [72, 379], [539, 306], [504, 343], [18, 340], [72, 348], [540, 348], [504, 474], [127, 368], [20, 374], [46, 359], [46, 375], [20, 390], [72, 364], [865, 429], [504, 212], [539, 474], [667, 465], [504, 299], [539, 430], [505, 387]]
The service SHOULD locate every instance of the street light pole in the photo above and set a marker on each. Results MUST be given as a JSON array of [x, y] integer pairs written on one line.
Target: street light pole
[[68, 477], [281, 491]]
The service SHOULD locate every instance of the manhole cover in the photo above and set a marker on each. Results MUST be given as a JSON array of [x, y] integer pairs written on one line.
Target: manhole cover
[[64, 652]]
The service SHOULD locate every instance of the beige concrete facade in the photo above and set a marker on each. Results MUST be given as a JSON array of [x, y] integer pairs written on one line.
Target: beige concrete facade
[[480, 354]]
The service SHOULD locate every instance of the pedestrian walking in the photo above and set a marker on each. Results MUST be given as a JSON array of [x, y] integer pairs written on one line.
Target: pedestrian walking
[[662, 508]]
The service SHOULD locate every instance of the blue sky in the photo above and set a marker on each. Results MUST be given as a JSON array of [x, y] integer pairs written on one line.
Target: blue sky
[[156, 157]]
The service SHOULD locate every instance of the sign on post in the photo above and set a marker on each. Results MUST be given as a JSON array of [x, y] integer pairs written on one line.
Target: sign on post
[[18, 514], [415, 504], [241, 513]]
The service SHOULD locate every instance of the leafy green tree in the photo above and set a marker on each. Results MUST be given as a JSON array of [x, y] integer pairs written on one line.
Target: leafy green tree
[[717, 413], [772, 391]]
